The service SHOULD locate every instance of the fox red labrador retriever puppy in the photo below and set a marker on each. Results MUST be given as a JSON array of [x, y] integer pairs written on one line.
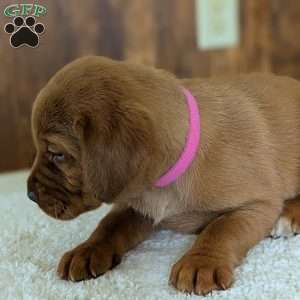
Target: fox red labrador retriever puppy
[[216, 157]]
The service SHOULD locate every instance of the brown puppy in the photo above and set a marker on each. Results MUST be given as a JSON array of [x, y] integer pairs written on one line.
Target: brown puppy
[[105, 131]]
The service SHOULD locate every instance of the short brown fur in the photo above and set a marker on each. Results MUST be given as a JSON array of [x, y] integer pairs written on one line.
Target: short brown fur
[[120, 126]]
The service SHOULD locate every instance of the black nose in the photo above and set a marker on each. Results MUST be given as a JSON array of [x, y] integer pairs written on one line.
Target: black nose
[[32, 196]]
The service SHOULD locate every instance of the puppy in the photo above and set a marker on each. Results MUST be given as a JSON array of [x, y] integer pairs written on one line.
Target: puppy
[[106, 131]]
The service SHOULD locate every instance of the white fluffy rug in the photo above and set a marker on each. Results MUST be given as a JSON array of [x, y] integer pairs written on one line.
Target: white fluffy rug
[[31, 245]]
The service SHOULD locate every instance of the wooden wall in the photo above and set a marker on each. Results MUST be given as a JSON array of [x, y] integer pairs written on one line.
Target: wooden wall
[[154, 32]]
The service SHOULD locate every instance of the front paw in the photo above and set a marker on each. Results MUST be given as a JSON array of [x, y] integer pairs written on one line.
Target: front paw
[[201, 274], [88, 260]]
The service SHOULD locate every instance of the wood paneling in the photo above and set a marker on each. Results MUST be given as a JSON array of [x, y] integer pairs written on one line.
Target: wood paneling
[[285, 37], [153, 32]]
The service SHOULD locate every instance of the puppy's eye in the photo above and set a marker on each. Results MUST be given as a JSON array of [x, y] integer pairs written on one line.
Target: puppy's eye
[[56, 157], [59, 157]]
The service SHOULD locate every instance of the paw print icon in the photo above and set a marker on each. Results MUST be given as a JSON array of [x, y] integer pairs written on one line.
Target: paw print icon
[[24, 32]]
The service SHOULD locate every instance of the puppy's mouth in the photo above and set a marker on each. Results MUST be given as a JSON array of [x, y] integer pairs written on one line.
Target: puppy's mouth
[[58, 211], [64, 208]]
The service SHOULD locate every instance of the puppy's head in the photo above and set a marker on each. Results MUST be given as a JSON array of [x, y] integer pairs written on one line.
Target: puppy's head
[[92, 136]]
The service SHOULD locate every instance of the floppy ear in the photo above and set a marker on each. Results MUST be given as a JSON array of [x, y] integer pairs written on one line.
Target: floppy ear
[[115, 149]]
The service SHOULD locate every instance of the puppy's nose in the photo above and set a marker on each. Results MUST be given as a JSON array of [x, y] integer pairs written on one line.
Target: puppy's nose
[[32, 196]]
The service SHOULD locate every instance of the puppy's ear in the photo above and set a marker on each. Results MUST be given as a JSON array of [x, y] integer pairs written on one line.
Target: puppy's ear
[[115, 148]]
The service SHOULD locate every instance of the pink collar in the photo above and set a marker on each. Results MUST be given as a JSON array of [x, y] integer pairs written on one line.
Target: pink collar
[[192, 142]]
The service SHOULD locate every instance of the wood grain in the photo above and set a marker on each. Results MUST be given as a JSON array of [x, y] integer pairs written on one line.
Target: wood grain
[[153, 32]]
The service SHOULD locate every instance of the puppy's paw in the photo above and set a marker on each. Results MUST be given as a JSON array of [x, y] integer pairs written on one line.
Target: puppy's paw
[[285, 227], [289, 222], [88, 260], [201, 274]]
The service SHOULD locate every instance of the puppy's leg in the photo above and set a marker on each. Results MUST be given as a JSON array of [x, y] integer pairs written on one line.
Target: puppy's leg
[[221, 246], [121, 230], [289, 222]]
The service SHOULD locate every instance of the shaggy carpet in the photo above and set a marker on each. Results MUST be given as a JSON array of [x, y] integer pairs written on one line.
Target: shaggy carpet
[[31, 245]]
